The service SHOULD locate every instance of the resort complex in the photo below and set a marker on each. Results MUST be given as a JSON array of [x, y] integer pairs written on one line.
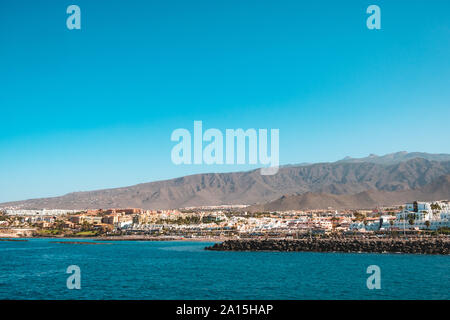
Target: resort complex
[[224, 222]]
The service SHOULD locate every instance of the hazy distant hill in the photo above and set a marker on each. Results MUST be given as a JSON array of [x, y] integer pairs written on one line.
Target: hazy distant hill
[[346, 177], [397, 157], [437, 190]]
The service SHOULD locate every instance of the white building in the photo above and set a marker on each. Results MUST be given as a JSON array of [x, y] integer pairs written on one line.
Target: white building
[[416, 215], [38, 212]]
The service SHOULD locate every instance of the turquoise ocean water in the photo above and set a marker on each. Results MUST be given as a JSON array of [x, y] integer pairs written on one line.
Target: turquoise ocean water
[[36, 269]]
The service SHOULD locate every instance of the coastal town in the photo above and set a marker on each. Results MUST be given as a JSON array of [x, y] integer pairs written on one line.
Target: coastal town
[[225, 222]]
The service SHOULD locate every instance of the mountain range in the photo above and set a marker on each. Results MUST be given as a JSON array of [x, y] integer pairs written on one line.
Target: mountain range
[[436, 190], [348, 183]]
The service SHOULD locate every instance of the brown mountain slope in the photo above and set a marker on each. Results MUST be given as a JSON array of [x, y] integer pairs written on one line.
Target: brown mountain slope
[[250, 187], [437, 190]]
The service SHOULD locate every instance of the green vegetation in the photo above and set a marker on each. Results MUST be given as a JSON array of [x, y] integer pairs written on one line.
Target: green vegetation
[[59, 224], [49, 232], [359, 216], [189, 220], [86, 234], [187, 211], [86, 226], [445, 231], [180, 220], [258, 214], [435, 206]]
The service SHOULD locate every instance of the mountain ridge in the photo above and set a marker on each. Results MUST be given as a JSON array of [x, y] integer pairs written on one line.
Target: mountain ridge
[[249, 187], [434, 191]]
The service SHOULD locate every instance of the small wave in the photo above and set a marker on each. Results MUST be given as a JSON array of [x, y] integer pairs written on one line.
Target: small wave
[[183, 248], [25, 249]]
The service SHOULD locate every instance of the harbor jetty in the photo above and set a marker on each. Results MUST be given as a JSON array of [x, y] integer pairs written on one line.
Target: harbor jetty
[[389, 245]]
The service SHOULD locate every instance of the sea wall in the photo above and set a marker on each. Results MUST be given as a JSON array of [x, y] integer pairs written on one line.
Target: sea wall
[[416, 246]]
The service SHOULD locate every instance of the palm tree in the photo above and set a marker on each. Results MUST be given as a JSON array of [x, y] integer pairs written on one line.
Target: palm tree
[[435, 206]]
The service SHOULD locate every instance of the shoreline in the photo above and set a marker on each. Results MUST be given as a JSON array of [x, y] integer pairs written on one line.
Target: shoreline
[[430, 246], [119, 238]]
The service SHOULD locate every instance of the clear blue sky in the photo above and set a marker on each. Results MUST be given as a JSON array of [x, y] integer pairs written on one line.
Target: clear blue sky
[[94, 108]]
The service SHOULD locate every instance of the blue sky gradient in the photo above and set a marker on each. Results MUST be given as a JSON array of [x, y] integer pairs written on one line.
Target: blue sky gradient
[[95, 108]]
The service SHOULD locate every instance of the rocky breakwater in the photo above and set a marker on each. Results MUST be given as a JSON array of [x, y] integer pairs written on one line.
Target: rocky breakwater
[[415, 246]]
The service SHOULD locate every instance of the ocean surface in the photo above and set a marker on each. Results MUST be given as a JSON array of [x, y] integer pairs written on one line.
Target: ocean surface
[[36, 269]]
